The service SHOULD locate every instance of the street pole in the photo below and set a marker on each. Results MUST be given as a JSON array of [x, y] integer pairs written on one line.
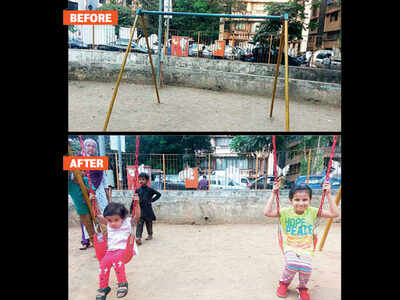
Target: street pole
[[160, 4], [102, 147], [119, 159]]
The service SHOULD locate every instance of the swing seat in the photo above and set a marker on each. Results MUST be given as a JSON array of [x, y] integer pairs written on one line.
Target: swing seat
[[100, 247]]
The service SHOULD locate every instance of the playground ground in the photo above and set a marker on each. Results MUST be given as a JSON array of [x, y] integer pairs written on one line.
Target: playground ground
[[204, 262], [189, 109]]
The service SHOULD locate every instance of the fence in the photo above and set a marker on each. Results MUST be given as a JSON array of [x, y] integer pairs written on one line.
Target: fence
[[208, 44], [239, 172]]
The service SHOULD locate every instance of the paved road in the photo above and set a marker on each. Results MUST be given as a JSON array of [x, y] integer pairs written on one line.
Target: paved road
[[189, 109], [204, 262]]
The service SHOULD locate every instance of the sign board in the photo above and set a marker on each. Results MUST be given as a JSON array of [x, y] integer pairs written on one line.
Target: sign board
[[191, 177], [219, 48], [130, 175], [180, 46]]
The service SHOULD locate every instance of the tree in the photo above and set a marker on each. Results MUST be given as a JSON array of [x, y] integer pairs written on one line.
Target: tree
[[208, 25], [296, 12], [125, 18]]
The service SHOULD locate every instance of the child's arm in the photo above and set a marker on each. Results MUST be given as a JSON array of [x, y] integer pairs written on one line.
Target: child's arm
[[136, 218], [333, 211], [158, 195], [101, 219], [269, 211]]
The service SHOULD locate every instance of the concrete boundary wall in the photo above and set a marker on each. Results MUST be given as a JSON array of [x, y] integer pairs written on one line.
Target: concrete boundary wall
[[315, 85], [209, 207]]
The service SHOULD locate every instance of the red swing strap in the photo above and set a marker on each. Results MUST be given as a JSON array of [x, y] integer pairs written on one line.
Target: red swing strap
[[327, 173], [275, 173], [88, 176], [136, 181], [280, 238]]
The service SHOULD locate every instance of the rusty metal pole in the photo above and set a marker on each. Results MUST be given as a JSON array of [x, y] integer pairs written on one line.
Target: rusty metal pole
[[150, 59], [278, 63], [128, 49]]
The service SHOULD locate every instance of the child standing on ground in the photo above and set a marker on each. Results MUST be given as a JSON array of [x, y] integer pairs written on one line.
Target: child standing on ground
[[119, 225], [146, 198], [298, 223]]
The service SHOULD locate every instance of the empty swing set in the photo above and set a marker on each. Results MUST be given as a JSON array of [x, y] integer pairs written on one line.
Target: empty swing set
[[283, 43]]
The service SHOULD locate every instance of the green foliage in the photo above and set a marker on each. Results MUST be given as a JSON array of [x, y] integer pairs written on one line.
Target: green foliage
[[204, 24], [125, 18], [295, 10]]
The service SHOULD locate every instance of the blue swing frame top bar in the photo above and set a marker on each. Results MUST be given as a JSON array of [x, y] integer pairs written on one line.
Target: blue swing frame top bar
[[165, 13]]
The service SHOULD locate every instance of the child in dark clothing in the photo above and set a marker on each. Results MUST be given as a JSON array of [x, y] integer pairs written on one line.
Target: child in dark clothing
[[147, 214]]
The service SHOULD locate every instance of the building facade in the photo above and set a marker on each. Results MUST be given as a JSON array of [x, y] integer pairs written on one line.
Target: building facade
[[328, 34]]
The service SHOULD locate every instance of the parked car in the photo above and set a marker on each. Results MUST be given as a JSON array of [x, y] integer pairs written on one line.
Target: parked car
[[207, 51], [220, 183], [238, 53], [194, 50], [316, 61], [122, 44], [172, 182], [315, 181], [76, 43], [260, 183]]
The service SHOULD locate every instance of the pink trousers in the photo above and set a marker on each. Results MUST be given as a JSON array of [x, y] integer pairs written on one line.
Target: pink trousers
[[112, 259]]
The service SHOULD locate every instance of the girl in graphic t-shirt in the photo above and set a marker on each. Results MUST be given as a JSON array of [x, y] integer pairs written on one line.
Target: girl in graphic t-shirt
[[297, 224], [119, 225]]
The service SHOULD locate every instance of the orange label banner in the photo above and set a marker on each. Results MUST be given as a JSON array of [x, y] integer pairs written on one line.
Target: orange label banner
[[90, 17], [85, 163], [219, 48]]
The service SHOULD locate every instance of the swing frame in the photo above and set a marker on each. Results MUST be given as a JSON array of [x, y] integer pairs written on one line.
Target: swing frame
[[283, 42]]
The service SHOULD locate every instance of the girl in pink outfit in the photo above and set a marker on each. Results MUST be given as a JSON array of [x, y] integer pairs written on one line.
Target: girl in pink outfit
[[119, 225]]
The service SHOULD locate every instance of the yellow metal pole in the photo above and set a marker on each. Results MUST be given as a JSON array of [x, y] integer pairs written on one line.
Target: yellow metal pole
[[270, 44], [328, 225], [128, 49], [163, 162], [308, 165], [85, 193], [278, 63], [286, 76], [150, 59]]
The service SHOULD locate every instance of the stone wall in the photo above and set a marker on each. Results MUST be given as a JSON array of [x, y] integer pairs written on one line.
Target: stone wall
[[210, 207], [305, 84]]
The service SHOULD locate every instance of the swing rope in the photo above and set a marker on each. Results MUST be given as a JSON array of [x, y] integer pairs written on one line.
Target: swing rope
[[328, 173], [136, 181], [276, 173]]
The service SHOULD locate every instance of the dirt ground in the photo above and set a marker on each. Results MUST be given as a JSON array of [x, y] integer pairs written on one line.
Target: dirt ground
[[204, 262], [189, 109]]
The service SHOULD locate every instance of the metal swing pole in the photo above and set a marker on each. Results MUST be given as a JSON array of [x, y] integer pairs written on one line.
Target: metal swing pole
[[328, 224], [150, 59], [128, 49], [277, 71]]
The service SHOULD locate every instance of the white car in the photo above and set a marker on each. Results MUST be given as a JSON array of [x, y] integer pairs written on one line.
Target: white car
[[316, 61]]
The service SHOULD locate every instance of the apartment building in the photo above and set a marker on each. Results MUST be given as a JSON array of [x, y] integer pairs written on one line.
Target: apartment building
[[327, 35], [238, 32]]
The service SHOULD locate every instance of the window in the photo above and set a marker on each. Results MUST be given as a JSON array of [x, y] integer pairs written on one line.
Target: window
[[223, 142], [240, 26], [334, 16]]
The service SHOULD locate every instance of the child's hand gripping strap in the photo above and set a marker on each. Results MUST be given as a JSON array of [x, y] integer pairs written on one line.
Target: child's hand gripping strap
[[327, 173]]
